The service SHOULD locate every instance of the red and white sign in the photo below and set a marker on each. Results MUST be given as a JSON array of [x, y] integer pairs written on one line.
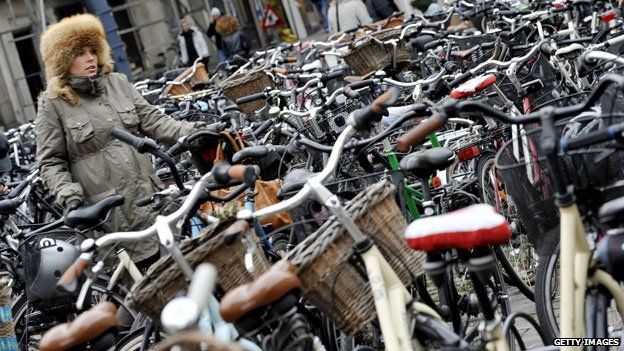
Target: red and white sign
[[271, 18]]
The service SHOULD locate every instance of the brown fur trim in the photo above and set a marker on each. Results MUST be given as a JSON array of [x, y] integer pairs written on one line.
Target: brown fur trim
[[60, 44], [227, 25]]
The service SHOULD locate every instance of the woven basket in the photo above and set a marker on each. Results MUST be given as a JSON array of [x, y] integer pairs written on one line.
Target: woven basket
[[200, 76], [8, 341], [164, 280], [243, 84], [367, 55], [332, 281]]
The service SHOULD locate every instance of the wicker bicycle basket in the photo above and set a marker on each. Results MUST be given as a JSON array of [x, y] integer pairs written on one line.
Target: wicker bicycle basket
[[200, 75], [368, 55], [247, 83], [334, 279], [164, 280]]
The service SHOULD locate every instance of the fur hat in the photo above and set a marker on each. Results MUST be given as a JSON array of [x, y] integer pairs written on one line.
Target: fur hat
[[60, 44], [227, 25]]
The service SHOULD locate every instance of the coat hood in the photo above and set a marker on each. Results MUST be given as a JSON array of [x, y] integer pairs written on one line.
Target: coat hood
[[227, 25], [60, 44]]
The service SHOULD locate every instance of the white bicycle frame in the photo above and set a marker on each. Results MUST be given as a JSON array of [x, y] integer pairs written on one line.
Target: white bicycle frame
[[390, 295]]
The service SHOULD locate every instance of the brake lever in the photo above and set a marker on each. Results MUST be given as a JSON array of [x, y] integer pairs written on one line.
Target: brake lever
[[86, 286], [251, 247]]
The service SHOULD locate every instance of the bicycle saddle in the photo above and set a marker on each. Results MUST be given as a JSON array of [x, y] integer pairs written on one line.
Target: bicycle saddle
[[268, 288], [612, 212], [201, 85], [232, 108], [252, 154], [470, 227], [421, 41], [426, 162], [473, 86], [294, 181], [356, 79], [173, 73], [463, 54], [87, 217], [353, 79], [86, 327]]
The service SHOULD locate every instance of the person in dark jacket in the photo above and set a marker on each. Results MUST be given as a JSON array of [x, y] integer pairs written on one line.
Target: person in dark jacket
[[215, 13], [232, 39], [381, 9], [192, 45]]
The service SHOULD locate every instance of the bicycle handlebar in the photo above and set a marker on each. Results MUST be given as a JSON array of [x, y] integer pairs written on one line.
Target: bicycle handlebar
[[453, 107], [614, 132]]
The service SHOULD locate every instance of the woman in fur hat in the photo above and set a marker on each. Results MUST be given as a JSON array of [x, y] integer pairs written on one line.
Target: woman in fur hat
[[80, 161]]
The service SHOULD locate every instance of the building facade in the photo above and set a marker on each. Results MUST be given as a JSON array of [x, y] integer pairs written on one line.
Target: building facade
[[148, 29]]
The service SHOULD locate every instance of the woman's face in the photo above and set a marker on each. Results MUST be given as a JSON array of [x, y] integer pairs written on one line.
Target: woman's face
[[85, 63]]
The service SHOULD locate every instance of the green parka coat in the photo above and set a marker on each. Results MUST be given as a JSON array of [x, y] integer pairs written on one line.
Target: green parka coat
[[80, 159]]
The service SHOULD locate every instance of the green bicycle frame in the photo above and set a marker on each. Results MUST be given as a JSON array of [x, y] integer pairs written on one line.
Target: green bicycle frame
[[413, 197]]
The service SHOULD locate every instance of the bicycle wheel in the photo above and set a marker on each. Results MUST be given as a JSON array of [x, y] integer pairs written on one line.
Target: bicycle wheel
[[518, 258], [497, 291], [31, 323], [547, 297]]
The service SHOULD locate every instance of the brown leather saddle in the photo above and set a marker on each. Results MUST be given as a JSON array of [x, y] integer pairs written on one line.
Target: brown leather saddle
[[464, 54], [268, 288], [86, 327]]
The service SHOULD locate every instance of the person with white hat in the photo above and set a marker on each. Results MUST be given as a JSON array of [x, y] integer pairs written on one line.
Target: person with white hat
[[215, 14]]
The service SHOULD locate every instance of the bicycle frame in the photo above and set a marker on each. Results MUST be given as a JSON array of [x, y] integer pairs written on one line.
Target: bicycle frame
[[390, 295], [575, 256]]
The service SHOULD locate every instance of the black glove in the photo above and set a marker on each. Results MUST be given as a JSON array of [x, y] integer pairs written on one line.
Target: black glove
[[72, 205]]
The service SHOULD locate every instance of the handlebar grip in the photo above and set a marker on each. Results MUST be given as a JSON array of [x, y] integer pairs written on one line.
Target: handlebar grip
[[176, 149], [69, 279], [362, 118], [362, 84], [9, 206], [234, 231], [432, 44], [126, 137], [250, 98], [144, 201], [461, 79], [419, 133], [157, 83], [280, 70], [18, 189], [291, 59], [332, 75], [204, 281], [263, 127], [596, 137], [350, 93], [547, 49], [224, 173]]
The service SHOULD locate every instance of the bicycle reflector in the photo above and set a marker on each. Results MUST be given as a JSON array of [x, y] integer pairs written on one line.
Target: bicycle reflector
[[469, 153], [608, 17]]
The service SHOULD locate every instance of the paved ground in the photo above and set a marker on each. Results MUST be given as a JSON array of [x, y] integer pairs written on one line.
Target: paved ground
[[519, 303]]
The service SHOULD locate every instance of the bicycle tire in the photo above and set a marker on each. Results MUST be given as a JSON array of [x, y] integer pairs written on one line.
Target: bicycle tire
[[597, 302], [543, 299], [511, 275]]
